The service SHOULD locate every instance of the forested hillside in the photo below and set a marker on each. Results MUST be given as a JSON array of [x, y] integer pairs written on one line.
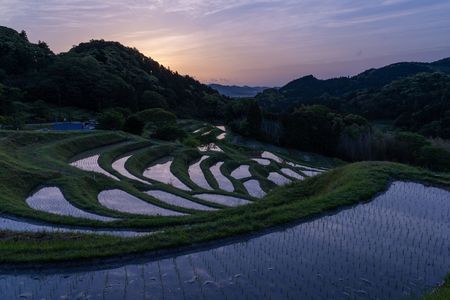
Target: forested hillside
[[94, 76], [411, 96]]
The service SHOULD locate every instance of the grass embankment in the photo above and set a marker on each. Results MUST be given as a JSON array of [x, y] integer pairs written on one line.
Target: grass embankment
[[442, 293], [343, 186], [31, 159]]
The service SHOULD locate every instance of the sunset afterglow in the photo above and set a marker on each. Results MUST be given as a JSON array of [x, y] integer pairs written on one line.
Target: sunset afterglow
[[247, 42]]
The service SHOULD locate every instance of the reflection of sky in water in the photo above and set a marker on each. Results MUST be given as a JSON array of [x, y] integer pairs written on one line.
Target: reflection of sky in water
[[254, 189], [160, 171], [224, 183], [7, 224], [196, 174], [51, 200], [393, 247]]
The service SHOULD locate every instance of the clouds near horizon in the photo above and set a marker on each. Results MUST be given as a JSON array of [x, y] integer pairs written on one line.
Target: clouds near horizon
[[247, 42]]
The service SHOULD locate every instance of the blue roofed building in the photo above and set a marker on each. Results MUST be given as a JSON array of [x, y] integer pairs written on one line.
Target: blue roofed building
[[66, 126]]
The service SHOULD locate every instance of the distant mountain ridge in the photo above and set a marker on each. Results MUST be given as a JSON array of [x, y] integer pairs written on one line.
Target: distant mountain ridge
[[309, 86], [235, 91]]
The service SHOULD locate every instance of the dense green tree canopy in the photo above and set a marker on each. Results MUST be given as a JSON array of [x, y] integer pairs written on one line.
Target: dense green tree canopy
[[99, 75]]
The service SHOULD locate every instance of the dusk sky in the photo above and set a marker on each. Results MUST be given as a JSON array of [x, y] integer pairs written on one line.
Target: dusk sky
[[247, 42]]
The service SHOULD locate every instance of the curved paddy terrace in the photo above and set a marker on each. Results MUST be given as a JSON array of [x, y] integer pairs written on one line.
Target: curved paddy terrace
[[103, 195], [231, 179], [362, 252]]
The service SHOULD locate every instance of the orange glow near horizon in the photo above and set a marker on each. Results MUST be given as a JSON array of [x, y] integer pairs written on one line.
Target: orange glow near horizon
[[266, 43]]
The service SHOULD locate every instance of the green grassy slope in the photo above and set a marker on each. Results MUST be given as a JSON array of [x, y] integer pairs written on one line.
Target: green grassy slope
[[33, 159], [36, 159]]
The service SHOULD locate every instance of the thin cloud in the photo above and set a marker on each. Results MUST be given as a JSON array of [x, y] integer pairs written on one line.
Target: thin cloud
[[229, 39]]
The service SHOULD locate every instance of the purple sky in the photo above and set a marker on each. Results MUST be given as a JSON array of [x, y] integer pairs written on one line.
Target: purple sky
[[247, 42]]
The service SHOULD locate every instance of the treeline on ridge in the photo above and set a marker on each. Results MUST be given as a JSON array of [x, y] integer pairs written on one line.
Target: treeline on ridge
[[93, 76]]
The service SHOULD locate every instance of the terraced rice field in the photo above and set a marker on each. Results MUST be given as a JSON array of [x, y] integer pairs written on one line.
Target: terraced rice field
[[177, 184], [253, 187], [160, 171], [197, 176], [394, 247], [178, 201], [125, 187], [52, 201], [241, 172], [210, 147], [223, 199], [278, 179], [292, 174], [26, 226], [90, 164], [126, 203], [119, 166], [224, 183]]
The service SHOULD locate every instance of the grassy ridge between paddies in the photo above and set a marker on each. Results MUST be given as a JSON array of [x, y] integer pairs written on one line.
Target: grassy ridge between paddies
[[29, 160], [343, 186], [442, 293]]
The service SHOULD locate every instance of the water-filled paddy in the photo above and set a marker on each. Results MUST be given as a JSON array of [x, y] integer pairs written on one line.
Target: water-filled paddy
[[121, 201], [52, 201], [160, 171], [270, 155], [254, 189], [223, 199], [222, 136], [224, 183], [303, 167], [210, 147], [19, 225], [278, 179], [197, 176], [393, 247], [241, 172], [310, 173], [292, 174], [119, 166], [178, 201], [91, 164]]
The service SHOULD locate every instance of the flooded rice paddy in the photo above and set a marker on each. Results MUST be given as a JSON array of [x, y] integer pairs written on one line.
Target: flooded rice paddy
[[51, 200], [196, 174], [210, 147], [292, 174], [222, 136], [262, 161], [241, 172], [121, 201], [278, 179], [91, 164], [24, 226], [119, 166], [178, 201], [270, 155], [303, 167], [394, 247], [311, 173], [223, 200], [220, 127], [254, 189], [160, 171], [224, 183]]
